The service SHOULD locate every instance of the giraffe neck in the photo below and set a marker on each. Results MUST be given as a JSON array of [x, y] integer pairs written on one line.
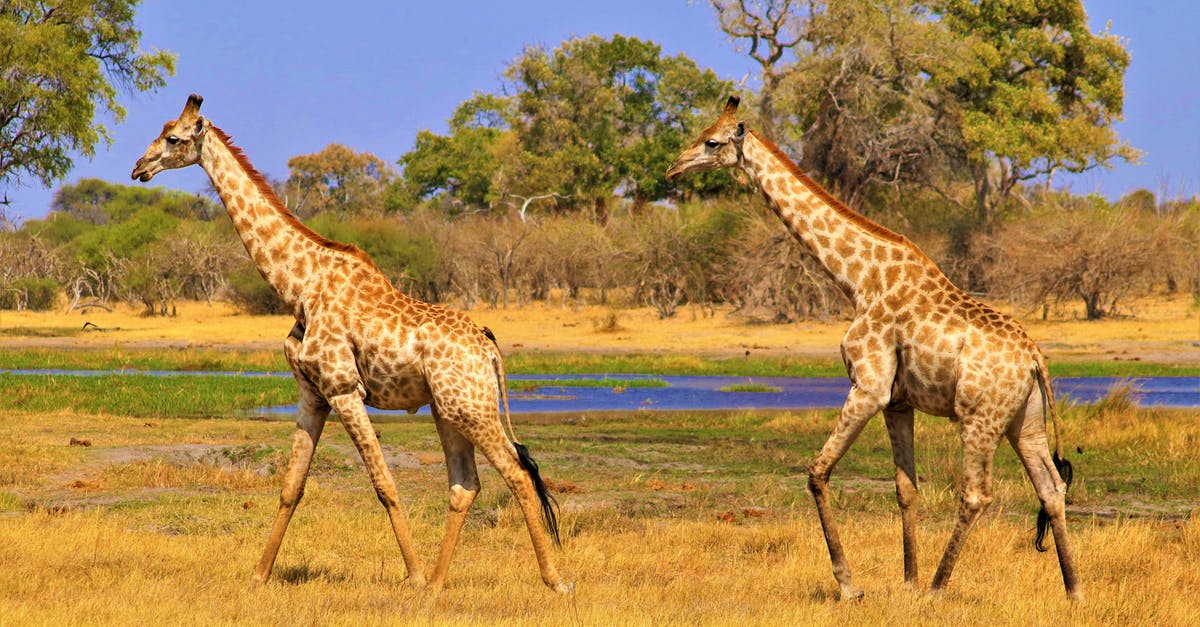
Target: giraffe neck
[[286, 253], [848, 246]]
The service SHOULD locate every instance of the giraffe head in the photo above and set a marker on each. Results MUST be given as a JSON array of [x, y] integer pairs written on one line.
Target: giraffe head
[[177, 146], [719, 146]]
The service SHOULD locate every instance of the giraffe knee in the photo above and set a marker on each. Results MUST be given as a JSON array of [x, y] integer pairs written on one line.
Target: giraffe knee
[[817, 481], [976, 502], [388, 497], [290, 496], [1054, 506], [461, 498], [906, 492]]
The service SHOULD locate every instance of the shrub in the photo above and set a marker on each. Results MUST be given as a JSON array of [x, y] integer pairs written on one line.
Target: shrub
[[251, 294], [31, 294]]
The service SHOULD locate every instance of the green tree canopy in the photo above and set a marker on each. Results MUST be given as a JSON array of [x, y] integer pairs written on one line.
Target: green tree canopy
[[337, 179], [99, 202], [591, 119], [1034, 91], [63, 62], [968, 98]]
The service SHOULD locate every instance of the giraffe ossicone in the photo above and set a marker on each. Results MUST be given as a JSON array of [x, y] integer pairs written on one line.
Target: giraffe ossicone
[[358, 341], [916, 342]]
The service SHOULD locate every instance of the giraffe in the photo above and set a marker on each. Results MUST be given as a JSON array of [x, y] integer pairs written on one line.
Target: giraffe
[[916, 342], [358, 341]]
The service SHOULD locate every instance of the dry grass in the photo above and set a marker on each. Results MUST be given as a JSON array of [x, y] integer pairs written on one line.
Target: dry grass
[[1164, 330], [669, 519]]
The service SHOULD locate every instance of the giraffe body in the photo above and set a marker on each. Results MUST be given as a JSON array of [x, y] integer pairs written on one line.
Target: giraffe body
[[916, 342], [358, 341]]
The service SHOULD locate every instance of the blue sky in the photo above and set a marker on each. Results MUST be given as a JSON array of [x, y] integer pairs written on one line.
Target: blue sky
[[288, 78]]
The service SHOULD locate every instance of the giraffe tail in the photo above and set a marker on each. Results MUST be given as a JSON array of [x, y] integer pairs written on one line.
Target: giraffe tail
[[1064, 468], [549, 515], [501, 381]]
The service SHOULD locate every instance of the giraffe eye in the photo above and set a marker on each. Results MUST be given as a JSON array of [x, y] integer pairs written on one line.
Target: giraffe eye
[[712, 143], [171, 139]]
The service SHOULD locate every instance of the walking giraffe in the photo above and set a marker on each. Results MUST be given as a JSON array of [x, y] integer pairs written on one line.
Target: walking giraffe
[[358, 341], [916, 342]]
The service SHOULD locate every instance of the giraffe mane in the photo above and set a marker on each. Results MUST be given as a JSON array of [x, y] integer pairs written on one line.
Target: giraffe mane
[[838, 206], [264, 188]]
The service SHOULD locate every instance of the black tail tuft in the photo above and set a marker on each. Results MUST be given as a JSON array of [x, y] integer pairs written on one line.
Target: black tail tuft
[[1067, 472], [548, 503]]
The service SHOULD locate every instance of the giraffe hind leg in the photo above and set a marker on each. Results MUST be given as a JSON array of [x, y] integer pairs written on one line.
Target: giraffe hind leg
[[1043, 469], [899, 421], [464, 487], [979, 451], [503, 456]]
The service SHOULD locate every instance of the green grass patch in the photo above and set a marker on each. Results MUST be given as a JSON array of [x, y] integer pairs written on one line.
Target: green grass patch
[[520, 362], [606, 382], [145, 395], [169, 359], [39, 331], [750, 386]]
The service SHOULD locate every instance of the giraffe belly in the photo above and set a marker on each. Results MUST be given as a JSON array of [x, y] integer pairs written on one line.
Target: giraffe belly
[[404, 389], [927, 381]]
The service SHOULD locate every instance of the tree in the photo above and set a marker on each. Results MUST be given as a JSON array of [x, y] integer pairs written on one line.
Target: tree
[[98, 202], [1087, 250], [63, 62], [862, 101], [771, 28], [337, 179], [465, 163], [1032, 92], [579, 124]]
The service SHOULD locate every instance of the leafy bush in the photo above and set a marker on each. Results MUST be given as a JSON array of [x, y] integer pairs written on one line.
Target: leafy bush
[[251, 294], [32, 294]]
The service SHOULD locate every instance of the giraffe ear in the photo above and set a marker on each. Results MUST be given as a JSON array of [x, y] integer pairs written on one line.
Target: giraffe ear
[[740, 133], [199, 128]]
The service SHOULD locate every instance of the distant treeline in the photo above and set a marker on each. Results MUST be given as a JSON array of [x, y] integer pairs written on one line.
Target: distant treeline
[[107, 243]]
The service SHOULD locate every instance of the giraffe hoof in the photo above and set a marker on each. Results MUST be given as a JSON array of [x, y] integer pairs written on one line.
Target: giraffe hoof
[[564, 588], [850, 593], [417, 581]]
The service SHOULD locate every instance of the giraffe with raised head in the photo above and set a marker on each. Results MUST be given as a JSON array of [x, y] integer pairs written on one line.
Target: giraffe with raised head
[[358, 341], [916, 342]]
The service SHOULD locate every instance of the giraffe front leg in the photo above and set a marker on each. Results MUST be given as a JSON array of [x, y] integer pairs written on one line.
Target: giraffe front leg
[[464, 487], [354, 418], [900, 431], [309, 426], [860, 406], [312, 411]]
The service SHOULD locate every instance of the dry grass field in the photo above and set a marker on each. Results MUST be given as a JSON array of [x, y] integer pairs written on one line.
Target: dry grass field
[[1163, 330], [668, 518]]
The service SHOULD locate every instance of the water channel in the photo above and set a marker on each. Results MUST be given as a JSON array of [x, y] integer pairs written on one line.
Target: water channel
[[705, 392]]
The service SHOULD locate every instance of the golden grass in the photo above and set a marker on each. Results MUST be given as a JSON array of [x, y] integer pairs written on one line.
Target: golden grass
[[340, 566], [161, 523], [1165, 329]]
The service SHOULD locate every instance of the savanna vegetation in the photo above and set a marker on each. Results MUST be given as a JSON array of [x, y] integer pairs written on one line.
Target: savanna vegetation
[[550, 187], [111, 516]]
